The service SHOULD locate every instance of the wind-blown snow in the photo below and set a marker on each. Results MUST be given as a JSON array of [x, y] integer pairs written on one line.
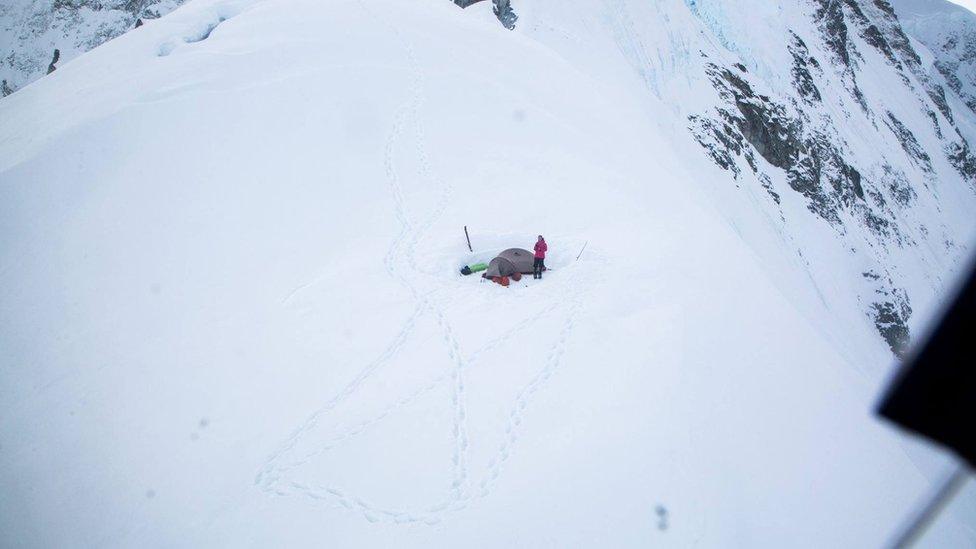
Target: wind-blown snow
[[230, 311]]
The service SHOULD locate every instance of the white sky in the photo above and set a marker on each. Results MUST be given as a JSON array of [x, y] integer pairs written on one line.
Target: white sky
[[968, 4]]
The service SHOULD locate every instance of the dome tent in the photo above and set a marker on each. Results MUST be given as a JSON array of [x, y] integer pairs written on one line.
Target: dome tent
[[509, 262]]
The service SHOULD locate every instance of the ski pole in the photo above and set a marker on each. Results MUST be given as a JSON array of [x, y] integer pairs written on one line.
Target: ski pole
[[581, 249]]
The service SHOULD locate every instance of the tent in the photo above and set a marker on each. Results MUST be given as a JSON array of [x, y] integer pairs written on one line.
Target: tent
[[509, 262]]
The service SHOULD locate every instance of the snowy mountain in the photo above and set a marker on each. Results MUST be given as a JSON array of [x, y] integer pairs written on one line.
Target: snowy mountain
[[847, 115], [32, 30], [232, 315], [949, 32]]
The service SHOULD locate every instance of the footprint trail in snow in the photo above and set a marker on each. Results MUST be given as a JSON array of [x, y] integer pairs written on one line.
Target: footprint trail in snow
[[280, 475]]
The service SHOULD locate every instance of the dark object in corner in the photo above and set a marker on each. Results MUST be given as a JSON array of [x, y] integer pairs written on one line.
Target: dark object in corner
[[57, 55], [934, 394]]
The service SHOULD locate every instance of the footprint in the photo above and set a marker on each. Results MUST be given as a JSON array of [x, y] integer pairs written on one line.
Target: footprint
[[662, 517], [166, 48]]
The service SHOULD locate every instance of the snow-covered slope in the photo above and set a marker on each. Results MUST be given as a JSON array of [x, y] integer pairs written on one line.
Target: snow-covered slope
[[31, 30], [827, 106], [949, 31], [231, 314]]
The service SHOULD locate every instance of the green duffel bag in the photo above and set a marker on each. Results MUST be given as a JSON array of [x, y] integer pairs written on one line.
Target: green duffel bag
[[477, 267]]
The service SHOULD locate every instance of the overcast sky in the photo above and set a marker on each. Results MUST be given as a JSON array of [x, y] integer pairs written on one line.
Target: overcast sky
[[968, 4]]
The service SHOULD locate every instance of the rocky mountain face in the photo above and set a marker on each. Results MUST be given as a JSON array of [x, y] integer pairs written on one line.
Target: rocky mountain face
[[32, 30], [949, 32], [868, 131]]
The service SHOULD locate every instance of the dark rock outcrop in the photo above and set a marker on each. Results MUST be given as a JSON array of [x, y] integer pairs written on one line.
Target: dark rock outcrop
[[890, 312], [51, 66], [830, 15], [814, 166], [502, 9], [908, 143], [70, 26], [962, 159], [803, 63]]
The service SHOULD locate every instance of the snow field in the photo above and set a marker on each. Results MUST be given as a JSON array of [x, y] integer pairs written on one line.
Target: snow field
[[232, 316]]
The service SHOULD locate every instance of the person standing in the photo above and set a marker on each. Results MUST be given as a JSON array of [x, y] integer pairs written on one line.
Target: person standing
[[540, 256]]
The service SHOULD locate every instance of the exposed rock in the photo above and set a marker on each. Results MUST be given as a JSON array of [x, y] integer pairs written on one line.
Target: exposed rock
[[786, 135], [890, 313], [937, 94], [51, 67], [70, 26], [950, 33], [505, 14], [908, 143], [768, 185], [830, 15], [764, 124], [802, 63], [936, 126], [891, 30], [502, 9], [831, 20], [877, 225], [962, 159], [898, 186], [815, 166], [720, 141], [809, 157], [856, 12], [892, 326], [873, 36]]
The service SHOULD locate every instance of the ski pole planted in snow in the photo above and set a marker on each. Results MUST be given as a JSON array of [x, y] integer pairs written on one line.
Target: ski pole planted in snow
[[470, 249], [581, 250]]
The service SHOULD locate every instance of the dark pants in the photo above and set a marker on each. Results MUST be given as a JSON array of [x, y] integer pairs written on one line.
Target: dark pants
[[538, 267]]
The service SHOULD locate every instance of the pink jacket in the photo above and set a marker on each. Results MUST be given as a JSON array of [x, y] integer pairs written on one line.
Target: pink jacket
[[540, 249]]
